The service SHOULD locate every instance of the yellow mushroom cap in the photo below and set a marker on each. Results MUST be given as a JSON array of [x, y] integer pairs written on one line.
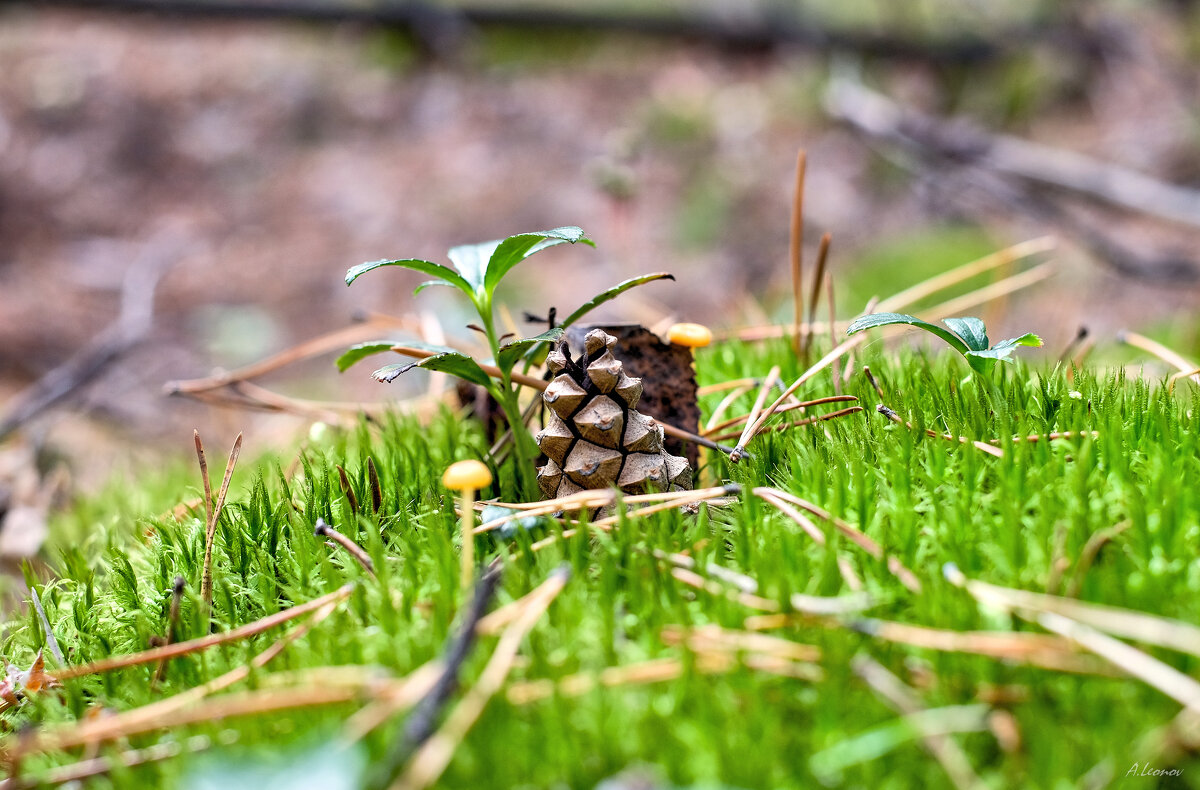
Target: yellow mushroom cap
[[690, 335], [462, 475]]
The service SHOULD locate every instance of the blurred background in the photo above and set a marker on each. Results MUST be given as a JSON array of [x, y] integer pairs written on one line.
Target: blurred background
[[183, 183]]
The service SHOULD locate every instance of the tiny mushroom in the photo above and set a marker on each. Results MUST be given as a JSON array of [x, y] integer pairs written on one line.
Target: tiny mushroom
[[690, 335], [467, 477]]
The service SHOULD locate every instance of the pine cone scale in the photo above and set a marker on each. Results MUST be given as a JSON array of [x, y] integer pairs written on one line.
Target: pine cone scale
[[594, 437]]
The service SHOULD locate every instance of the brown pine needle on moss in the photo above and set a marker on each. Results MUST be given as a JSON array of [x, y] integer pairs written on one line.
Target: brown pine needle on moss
[[214, 515], [833, 415], [990, 449], [432, 758], [759, 400], [204, 642], [1184, 366], [796, 245], [1151, 629], [356, 551], [814, 296]]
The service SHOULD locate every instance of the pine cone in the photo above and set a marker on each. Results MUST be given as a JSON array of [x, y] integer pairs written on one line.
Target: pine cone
[[594, 436]]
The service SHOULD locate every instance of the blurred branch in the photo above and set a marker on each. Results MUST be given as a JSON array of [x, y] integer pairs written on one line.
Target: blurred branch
[[1014, 172], [760, 30], [1082, 175], [130, 328]]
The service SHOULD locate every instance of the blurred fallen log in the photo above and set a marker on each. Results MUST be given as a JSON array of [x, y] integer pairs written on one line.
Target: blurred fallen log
[[753, 29], [954, 168], [130, 328], [1091, 178]]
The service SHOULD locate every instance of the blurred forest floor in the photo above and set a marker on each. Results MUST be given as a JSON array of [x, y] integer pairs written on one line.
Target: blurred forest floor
[[250, 163]]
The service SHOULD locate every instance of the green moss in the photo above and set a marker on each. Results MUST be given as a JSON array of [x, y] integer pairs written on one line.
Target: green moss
[[928, 501]]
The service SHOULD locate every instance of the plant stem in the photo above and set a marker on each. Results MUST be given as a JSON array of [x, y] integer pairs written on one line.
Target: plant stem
[[507, 396]]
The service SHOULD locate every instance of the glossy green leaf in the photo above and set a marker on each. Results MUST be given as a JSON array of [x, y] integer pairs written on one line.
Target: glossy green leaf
[[1004, 349], [360, 351], [888, 319], [514, 249], [971, 330], [471, 260], [512, 352], [437, 270], [429, 283], [452, 362], [613, 293]]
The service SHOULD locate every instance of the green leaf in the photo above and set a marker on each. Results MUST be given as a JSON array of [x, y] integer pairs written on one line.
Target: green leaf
[[985, 361], [437, 270], [887, 319], [471, 260], [510, 353], [1004, 349], [452, 362], [514, 249], [971, 330], [360, 351], [613, 293], [429, 283]]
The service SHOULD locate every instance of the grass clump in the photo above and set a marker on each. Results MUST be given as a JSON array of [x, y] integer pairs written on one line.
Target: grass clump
[[725, 709]]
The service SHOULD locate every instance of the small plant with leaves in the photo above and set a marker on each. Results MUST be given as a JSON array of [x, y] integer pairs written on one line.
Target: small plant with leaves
[[478, 270], [968, 336]]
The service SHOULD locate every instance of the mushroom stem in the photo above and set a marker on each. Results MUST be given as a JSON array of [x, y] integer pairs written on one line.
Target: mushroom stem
[[468, 537]]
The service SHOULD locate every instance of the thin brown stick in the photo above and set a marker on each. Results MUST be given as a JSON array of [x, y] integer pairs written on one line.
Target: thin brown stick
[[814, 297], [809, 604], [856, 536], [1151, 629], [1157, 674], [940, 282], [722, 386], [208, 499], [805, 523], [204, 642], [796, 245], [1008, 285], [732, 421], [739, 452], [833, 415], [759, 400], [97, 766], [347, 489], [871, 379], [356, 551], [394, 699], [990, 449], [833, 366], [376, 488], [323, 344], [206, 586], [1173, 358], [723, 407], [435, 754], [708, 638], [685, 498], [172, 624], [250, 703], [1042, 650], [99, 730]]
